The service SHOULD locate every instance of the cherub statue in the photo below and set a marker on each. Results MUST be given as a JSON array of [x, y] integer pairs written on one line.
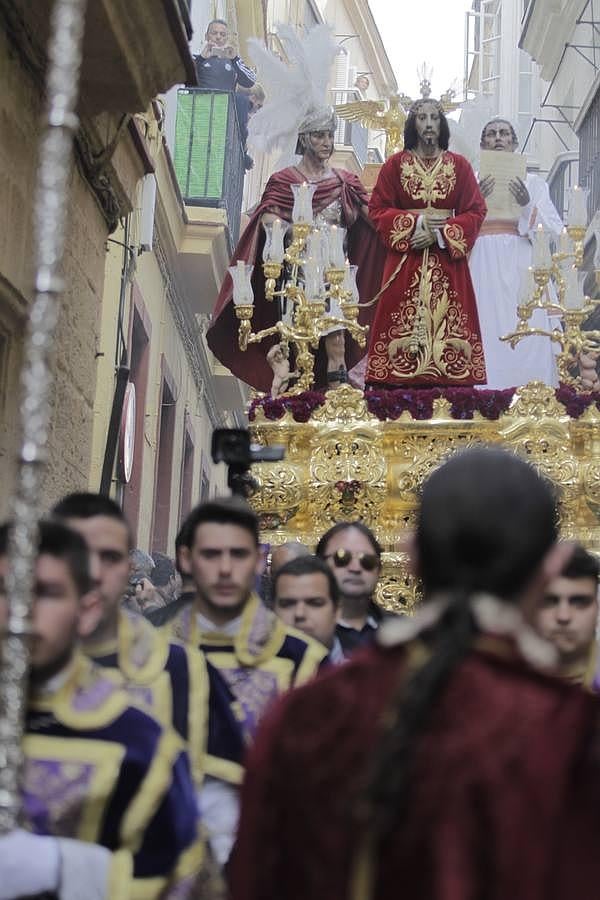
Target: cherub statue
[[278, 358]]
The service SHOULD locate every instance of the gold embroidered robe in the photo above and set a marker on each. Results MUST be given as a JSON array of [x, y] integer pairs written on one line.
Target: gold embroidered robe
[[426, 329]]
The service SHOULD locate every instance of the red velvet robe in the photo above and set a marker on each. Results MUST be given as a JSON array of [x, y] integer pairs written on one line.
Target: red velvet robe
[[364, 250], [426, 295], [505, 798]]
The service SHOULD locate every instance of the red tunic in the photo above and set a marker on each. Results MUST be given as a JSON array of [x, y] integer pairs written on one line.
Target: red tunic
[[364, 250], [426, 328], [505, 796]]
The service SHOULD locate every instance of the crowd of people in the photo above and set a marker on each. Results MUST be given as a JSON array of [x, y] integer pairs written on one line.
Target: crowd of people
[[142, 729]]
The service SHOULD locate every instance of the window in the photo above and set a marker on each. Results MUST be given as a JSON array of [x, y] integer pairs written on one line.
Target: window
[[186, 487], [164, 463]]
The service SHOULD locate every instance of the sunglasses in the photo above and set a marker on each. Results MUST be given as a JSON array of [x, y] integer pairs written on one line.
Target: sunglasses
[[342, 558]]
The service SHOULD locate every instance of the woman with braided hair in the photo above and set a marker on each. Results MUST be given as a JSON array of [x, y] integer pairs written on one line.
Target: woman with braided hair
[[443, 763]]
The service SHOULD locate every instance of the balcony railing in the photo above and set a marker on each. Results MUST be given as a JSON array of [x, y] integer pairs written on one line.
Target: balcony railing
[[589, 154], [351, 134], [209, 156]]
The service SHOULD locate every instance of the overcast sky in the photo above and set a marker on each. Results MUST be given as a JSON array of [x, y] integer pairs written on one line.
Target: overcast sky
[[431, 31]]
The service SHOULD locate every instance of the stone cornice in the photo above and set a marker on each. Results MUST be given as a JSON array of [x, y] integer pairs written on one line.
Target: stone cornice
[[25, 26], [547, 27], [133, 49]]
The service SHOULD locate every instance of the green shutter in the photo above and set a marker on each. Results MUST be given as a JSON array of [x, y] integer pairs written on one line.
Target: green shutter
[[200, 144]]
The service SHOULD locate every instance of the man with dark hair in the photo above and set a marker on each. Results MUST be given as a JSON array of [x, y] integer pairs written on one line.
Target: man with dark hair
[[500, 258], [167, 677], [568, 616], [218, 65], [278, 557], [353, 554], [306, 597], [444, 759], [256, 655], [97, 768], [427, 209]]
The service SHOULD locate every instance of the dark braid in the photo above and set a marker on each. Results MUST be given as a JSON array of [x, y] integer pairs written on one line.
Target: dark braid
[[485, 523], [389, 789]]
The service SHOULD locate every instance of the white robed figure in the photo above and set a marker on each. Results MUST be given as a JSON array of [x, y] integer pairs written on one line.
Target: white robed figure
[[501, 255]]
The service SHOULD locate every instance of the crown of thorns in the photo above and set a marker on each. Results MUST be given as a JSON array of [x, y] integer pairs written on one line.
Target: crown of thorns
[[415, 107]]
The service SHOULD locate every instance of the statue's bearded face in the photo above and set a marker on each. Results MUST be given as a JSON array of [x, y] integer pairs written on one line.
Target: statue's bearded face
[[427, 123], [319, 145]]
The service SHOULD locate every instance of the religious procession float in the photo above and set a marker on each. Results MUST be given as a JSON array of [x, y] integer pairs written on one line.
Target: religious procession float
[[362, 453]]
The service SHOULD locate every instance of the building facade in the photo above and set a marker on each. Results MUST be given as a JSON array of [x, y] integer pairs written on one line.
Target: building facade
[[501, 78], [137, 394], [133, 49], [563, 38]]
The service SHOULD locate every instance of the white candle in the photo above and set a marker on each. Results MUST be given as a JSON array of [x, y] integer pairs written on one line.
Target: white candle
[[277, 240], [307, 195], [337, 258], [313, 279], [266, 254], [573, 294], [526, 286], [303, 194], [314, 246], [565, 245], [350, 283], [241, 274], [577, 213], [541, 249], [297, 209]]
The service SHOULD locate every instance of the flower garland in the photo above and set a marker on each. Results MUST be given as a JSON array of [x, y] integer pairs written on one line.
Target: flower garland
[[389, 405], [301, 406]]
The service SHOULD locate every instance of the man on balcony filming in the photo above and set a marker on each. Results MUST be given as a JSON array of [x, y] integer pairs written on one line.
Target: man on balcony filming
[[218, 66]]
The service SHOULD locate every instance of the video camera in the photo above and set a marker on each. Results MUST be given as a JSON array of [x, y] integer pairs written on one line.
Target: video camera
[[232, 446]]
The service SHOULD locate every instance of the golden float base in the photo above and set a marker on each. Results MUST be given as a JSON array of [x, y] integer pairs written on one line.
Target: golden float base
[[345, 464]]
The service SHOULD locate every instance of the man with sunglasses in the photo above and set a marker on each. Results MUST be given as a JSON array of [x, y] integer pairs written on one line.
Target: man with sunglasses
[[353, 554]]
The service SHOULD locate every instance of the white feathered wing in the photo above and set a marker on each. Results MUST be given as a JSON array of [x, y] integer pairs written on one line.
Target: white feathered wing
[[291, 88]]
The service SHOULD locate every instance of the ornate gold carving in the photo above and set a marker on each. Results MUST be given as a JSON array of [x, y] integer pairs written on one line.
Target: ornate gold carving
[[535, 400], [348, 474], [345, 405], [346, 464]]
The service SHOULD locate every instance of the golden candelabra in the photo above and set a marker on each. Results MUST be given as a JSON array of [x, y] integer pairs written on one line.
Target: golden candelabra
[[552, 284], [309, 295]]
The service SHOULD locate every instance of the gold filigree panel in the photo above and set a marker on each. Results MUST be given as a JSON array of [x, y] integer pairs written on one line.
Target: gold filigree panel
[[345, 464]]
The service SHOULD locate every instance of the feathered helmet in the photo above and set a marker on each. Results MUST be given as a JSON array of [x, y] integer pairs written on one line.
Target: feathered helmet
[[296, 91], [322, 118]]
